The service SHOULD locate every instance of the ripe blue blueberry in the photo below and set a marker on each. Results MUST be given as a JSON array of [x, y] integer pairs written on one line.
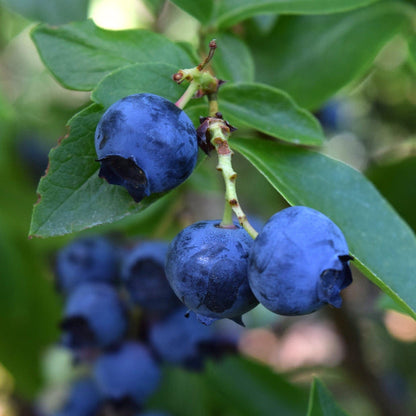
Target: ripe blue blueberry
[[143, 273], [83, 399], [128, 374], [207, 269], [331, 115], [176, 338], [299, 262], [33, 151], [86, 259], [145, 144], [94, 316]]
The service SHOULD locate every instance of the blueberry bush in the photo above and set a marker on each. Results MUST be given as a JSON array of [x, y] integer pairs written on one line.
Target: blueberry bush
[[225, 163]]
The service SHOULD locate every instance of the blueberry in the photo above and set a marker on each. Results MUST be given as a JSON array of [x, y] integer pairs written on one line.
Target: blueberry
[[83, 399], [143, 273], [330, 115], [86, 259], [33, 151], [299, 262], [177, 337], [145, 144], [127, 374], [94, 317], [207, 269]]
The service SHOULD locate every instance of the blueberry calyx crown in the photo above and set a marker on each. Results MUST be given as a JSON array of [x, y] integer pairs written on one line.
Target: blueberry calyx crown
[[203, 131], [332, 281], [77, 333], [117, 170]]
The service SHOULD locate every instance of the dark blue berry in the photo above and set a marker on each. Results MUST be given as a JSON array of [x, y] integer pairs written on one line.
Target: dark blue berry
[[87, 259], [143, 273], [330, 116], [83, 399], [207, 268], [128, 374], [299, 262], [94, 317], [33, 151], [177, 337], [145, 144]]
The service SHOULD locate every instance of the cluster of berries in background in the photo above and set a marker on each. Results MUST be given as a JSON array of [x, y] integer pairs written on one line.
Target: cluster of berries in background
[[121, 322]]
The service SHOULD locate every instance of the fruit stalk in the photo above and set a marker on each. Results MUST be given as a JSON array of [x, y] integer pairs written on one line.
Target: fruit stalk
[[187, 95], [219, 131], [213, 105], [202, 83]]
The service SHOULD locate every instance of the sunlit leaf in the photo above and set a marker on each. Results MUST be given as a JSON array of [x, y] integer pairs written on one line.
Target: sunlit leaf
[[233, 11], [270, 111], [80, 54]]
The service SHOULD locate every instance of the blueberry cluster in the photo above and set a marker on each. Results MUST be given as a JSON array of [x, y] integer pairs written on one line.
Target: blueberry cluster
[[122, 321], [298, 263]]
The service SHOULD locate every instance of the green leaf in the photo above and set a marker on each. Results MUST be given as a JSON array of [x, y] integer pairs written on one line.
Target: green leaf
[[71, 196], [154, 6], [29, 306], [155, 78], [392, 180], [80, 54], [178, 384], [201, 9], [412, 51], [7, 118], [313, 57], [249, 388], [387, 303], [190, 51], [153, 222], [233, 11], [383, 245], [270, 111], [54, 12], [195, 110], [29, 309], [321, 402], [233, 60]]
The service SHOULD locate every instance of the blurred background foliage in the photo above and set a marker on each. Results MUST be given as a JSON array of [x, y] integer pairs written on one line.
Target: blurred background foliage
[[370, 125]]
